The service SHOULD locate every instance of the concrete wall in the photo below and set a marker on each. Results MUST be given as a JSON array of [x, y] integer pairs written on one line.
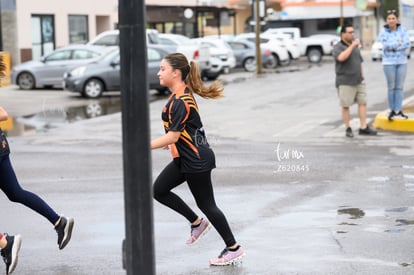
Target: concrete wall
[[16, 21], [61, 10]]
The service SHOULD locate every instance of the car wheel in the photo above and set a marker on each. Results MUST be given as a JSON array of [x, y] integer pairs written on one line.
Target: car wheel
[[26, 81], [288, 61], [314, 55], [270, 63], [249, 64], [277, 61], [93, 88]]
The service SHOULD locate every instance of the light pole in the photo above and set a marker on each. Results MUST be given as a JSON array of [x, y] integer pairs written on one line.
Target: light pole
[[1, 32]]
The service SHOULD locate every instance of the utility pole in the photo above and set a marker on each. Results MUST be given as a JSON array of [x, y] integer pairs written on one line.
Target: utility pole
[[341, 12], [1, 30], [138, 246], [258, 29]]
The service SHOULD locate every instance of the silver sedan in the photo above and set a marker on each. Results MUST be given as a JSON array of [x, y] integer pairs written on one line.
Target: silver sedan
[[48, 70]]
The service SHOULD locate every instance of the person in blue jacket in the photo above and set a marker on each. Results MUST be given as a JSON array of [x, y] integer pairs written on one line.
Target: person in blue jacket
[[395, 42]]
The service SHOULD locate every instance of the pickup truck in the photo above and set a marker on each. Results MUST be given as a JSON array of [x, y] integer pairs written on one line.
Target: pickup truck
[[314, 47]]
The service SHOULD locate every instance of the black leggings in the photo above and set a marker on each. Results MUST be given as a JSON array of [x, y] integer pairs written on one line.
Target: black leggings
[[202, 190], [11, 187]]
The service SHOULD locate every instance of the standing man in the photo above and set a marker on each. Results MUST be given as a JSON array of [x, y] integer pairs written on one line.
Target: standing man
[[349, 80]]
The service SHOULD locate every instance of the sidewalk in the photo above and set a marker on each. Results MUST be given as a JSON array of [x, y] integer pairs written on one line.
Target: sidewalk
[[398, 124]]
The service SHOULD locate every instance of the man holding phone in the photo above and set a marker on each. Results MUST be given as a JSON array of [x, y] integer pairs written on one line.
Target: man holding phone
[[350, 80]]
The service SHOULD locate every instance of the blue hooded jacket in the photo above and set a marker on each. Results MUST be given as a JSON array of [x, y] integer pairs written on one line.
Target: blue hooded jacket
[[392, 52]]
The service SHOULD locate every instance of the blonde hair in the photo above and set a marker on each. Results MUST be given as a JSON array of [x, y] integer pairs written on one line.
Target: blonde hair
[[190, 74]]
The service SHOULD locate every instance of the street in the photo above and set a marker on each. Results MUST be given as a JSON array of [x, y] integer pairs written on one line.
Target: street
[[300, 197]]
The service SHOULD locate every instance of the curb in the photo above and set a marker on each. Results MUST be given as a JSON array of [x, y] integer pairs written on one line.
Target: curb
[[400, 125], [397, 124]]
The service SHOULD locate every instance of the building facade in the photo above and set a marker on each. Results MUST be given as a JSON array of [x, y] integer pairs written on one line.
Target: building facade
[[30, 29]]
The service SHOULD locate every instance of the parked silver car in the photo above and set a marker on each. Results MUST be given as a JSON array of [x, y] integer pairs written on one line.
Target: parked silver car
[[49, 70], [93, 79], [245, 53]]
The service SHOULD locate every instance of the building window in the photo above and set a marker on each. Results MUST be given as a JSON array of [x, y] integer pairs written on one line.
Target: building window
[[43, 35], [327, 24], [78, 29]]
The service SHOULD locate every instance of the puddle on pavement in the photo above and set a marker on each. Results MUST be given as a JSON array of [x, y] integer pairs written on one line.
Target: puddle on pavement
[[56, 117], [394, 230], [355, 213], [396, 209], [405, 222]]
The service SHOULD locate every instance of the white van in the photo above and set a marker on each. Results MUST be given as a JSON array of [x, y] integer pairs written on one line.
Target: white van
[[111, 38]]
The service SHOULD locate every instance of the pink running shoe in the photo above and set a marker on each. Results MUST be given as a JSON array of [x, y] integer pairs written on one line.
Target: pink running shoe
[[199, 231], [228, 257]]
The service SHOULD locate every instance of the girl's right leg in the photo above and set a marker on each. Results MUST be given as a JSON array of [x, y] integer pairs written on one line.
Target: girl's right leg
[[390, 74], [168, 179], [12, 189]]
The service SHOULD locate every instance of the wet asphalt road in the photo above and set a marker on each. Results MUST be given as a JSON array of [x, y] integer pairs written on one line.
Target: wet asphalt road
[[299, 196]]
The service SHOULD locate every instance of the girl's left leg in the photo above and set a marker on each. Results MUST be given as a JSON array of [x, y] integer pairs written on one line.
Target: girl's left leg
[[202, 190], [400, 74], [12, 189]]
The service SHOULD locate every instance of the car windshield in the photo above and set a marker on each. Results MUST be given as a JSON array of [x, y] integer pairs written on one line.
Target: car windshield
[[109, 55]]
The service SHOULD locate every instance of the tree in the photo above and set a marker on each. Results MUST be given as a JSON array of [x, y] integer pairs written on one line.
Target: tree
[[388, 5]]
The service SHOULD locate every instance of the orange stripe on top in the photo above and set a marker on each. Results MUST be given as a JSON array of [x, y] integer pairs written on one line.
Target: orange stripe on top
[[178, 93], [174, 151]]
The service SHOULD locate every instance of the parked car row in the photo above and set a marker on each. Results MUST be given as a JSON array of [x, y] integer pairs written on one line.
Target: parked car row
[[94, 68]]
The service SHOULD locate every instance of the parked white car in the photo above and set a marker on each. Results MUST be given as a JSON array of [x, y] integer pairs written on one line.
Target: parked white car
[[172, 39], [111, 38], [222, 59], [286, 40], [272, 44], [190, 48], [411, 36]]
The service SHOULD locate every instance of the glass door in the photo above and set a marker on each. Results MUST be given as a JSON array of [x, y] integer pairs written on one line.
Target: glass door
[[43, 35]]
